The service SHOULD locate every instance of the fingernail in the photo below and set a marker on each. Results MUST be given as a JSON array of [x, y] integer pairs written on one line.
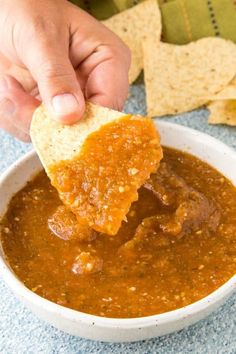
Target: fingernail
[[7, 107], [65, 104], [3, 85]]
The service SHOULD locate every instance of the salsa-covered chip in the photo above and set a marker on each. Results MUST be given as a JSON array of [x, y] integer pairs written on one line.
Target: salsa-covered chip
[[98, 171]]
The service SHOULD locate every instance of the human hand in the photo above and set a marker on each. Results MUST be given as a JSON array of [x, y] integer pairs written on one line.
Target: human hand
[[53, 51]]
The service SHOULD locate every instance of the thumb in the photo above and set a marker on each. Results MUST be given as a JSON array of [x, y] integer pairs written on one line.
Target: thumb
[[56, 79]]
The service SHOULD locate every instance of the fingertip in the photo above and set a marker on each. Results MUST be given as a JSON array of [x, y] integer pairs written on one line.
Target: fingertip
[[67, 108]]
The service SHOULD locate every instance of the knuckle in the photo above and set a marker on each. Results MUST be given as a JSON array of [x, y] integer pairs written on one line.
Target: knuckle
[[122, 51], [41, 26], [111, 51], [51, 69], [42, 31]]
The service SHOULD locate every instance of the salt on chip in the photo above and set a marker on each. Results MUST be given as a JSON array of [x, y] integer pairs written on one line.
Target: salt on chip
[[222, 112], [132, 26], [98, 164], [180, 78]]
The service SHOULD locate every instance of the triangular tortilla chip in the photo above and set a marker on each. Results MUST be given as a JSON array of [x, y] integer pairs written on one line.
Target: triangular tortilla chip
[[222, 112], [181, 78], [132, 26], [99, 163]]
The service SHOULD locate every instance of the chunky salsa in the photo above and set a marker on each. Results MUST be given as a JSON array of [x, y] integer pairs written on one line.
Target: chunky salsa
[[177, 245], [100, 183]]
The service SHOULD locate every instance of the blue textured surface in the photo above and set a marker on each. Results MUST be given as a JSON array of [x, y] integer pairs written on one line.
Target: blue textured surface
[[21, 332]]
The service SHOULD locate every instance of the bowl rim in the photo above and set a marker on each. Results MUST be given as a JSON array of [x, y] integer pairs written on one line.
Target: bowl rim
[[110, 322]]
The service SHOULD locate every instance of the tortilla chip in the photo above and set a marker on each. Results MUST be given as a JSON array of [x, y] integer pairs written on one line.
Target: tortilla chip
[[181, 78], [98, 164], [55, 142], [222, 112], [132, 26], [228, 93]]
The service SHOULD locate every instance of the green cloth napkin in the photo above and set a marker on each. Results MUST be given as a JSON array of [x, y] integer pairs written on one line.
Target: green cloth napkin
[[103, 9], [187, 20], [183, 20]]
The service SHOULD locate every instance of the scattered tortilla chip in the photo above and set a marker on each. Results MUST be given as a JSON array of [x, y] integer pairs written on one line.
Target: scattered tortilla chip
[[98, 164], [228, 93], [181, 78], [132, 26], [222, 112]]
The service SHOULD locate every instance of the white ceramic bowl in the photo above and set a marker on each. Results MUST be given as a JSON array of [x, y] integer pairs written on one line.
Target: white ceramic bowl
[[121, 330]]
